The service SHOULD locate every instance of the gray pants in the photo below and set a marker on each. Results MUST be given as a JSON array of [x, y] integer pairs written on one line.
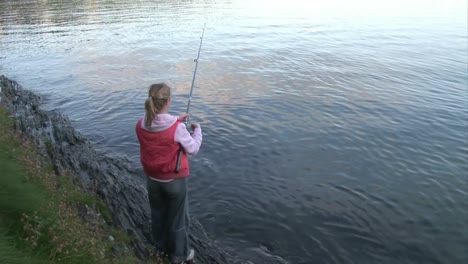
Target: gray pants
[[170, 217]]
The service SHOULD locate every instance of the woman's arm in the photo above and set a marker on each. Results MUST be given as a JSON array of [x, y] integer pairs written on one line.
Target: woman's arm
[[190, 143]]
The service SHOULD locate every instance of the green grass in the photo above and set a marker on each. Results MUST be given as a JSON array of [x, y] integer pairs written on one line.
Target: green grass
[[10, 254], [17, 194], [39, 216], [20, 195]]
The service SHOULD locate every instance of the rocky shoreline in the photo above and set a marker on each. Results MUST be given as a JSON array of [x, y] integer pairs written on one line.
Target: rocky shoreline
[[110, 179]]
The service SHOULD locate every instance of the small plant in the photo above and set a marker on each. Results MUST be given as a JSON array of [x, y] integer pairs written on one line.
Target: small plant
[[120, 235], [104, 211], [49, 148]]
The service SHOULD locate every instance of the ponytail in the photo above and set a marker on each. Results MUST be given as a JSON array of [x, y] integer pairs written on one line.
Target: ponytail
[[158, 95], [150, 111]]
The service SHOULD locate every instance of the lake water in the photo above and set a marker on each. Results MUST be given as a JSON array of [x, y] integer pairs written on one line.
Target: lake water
[[334, 131]]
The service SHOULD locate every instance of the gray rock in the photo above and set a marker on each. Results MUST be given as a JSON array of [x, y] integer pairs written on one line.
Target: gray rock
[[112, 179]]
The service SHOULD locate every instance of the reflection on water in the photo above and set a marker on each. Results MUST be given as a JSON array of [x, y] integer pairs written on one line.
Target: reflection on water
[[335, 132]]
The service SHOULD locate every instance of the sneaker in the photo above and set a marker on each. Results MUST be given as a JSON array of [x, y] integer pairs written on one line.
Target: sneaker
[[191, 255], [189, 259]]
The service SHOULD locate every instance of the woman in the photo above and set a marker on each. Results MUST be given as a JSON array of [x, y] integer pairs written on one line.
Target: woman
[[161, 135]]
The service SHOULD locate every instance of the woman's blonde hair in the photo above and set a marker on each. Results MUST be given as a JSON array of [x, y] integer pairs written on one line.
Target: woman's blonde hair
[[158, 96]]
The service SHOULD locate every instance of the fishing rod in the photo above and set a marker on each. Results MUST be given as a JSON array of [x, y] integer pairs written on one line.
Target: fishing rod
[[179, 156]]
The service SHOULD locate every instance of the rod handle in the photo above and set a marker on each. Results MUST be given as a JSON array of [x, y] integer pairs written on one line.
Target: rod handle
[[179, 158]]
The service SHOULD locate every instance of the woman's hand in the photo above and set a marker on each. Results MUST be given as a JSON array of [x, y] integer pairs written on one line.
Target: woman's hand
[[182, 117], [195, 125]]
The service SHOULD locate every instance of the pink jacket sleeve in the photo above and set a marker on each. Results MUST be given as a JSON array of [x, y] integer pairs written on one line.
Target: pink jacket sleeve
[[190, 143]]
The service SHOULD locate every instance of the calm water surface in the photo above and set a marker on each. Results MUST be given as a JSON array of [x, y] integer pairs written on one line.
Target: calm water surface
[[335, 131]]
